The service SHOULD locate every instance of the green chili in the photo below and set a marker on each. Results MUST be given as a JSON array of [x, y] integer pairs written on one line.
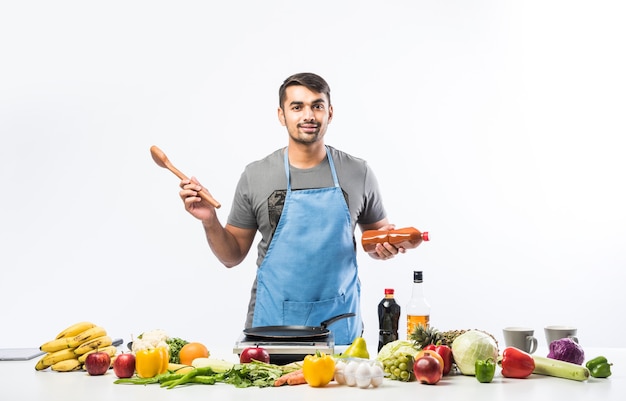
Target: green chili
[[189, 376], [150, 380], [204, 380]]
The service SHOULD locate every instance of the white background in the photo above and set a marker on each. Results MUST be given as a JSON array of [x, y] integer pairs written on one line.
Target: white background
[[496, 125]]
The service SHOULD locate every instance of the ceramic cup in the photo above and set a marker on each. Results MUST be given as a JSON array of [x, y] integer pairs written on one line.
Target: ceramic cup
[[520, 338], [554, 333]]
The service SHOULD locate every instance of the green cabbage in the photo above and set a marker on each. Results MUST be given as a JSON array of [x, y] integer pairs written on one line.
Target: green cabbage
[[471, 346], [398, 347]]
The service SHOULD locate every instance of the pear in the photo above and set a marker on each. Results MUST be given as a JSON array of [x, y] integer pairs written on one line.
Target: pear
[[358, 349]]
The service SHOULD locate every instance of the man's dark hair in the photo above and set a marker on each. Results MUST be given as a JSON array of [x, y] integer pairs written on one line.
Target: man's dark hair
[[311, 81]]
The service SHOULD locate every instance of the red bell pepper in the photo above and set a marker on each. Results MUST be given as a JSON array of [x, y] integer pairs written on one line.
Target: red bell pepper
[[516, 363], [445, 353]]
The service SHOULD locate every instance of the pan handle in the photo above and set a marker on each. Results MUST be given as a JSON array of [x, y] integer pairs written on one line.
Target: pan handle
[[332, 320]]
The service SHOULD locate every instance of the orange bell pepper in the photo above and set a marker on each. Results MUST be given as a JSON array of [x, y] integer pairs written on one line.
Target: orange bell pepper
[[151, 361]]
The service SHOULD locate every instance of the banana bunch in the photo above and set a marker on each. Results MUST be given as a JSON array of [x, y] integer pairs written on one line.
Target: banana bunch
[[69, 349]]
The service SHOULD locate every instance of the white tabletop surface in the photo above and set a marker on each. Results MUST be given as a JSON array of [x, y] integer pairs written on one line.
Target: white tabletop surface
[[19, 381]]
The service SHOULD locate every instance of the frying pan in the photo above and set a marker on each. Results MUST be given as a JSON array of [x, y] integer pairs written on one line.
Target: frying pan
[[293, 332]]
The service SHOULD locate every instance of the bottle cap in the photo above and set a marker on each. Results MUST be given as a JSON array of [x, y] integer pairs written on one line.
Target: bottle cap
[[389, 291], [425, 236], [417, 276]]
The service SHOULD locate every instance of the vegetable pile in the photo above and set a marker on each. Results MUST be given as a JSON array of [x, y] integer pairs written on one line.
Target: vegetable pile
[[475, 353], [253, 374], [426, 359], [159, 338]]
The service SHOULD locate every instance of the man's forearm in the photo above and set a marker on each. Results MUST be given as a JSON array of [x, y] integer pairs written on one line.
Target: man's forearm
[[223, 244]]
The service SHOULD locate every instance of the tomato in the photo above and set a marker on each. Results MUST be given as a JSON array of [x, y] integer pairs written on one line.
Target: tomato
[[432, 353], [191, 351]]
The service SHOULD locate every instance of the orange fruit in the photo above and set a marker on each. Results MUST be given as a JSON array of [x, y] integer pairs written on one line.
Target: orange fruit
[[191, 351]]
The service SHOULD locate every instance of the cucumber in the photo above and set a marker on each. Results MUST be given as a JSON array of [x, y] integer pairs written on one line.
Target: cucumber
[[554, 367], [217, 365]]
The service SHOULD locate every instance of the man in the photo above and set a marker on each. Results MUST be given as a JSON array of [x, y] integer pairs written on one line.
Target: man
[[306, 200]]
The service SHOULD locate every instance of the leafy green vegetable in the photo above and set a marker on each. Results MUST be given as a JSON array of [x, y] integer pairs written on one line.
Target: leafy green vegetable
[[253, 374], [175, 345]]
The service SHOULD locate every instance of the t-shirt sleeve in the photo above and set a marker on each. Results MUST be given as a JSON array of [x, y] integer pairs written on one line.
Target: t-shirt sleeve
[[241, 213], [373, 209]]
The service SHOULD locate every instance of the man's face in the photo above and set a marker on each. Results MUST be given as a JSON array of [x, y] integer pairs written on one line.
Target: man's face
[[306, 114]]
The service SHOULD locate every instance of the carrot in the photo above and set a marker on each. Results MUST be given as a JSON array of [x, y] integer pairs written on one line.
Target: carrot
[[285, 379], [297, 379]]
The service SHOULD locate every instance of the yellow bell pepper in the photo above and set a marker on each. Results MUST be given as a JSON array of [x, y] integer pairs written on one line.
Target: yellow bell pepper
[[318, 369], [150, 362]]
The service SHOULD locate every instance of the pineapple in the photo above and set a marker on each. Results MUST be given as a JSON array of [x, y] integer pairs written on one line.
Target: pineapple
[[424, 336]]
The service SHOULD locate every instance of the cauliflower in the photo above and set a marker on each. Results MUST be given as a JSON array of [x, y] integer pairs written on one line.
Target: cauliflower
[[151, 339]]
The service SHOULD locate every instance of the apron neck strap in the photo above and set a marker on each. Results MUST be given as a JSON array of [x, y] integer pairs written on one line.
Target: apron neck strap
[[330, 162]]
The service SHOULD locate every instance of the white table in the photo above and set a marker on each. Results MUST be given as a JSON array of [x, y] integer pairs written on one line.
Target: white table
[[19, 381]]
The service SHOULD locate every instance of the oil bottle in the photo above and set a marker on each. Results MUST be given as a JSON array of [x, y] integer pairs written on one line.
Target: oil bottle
[[418, 308]]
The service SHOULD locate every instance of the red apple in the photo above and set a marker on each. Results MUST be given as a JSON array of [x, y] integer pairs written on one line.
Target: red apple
[[256, 353], [427, 369], [97, 363], [124, 365]]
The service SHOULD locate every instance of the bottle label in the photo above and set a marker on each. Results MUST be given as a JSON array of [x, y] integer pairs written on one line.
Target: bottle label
[[413, 321]]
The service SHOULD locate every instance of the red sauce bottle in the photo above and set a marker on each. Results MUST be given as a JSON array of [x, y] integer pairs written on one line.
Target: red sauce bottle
[[407, 238]]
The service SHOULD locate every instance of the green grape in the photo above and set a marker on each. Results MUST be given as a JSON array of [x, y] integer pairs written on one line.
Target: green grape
[[398, 367]]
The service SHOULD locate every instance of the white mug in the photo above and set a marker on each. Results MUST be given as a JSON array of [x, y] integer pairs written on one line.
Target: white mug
[[554, 333], [520, 338]]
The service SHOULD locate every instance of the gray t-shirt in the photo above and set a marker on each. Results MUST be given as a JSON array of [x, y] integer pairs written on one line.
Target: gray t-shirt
[[262, 187]]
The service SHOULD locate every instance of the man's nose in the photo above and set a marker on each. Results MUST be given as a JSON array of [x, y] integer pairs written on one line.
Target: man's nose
[[309, 114]]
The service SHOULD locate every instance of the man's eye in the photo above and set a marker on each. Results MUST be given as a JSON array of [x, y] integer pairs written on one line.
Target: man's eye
[[319, 106]]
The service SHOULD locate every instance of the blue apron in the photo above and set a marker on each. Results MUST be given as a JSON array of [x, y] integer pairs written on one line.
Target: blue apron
[[309, 273]]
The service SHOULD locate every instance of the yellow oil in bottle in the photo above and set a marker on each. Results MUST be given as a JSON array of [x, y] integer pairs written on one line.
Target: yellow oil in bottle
[[413, 321]]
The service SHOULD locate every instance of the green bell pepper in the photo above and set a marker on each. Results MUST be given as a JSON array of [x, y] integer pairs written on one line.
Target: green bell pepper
[[485, 369], [599, 367]]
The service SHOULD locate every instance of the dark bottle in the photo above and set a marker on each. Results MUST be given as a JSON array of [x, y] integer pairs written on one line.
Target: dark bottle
[[388, 318]]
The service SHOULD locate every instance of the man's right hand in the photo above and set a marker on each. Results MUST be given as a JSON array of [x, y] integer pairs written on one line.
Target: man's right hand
[[194, 204]]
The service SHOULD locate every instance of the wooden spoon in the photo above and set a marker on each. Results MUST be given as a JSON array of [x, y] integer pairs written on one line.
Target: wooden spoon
[[161, 159]]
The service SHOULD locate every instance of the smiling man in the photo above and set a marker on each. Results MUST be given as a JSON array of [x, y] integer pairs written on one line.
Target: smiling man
[[306, 200]]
